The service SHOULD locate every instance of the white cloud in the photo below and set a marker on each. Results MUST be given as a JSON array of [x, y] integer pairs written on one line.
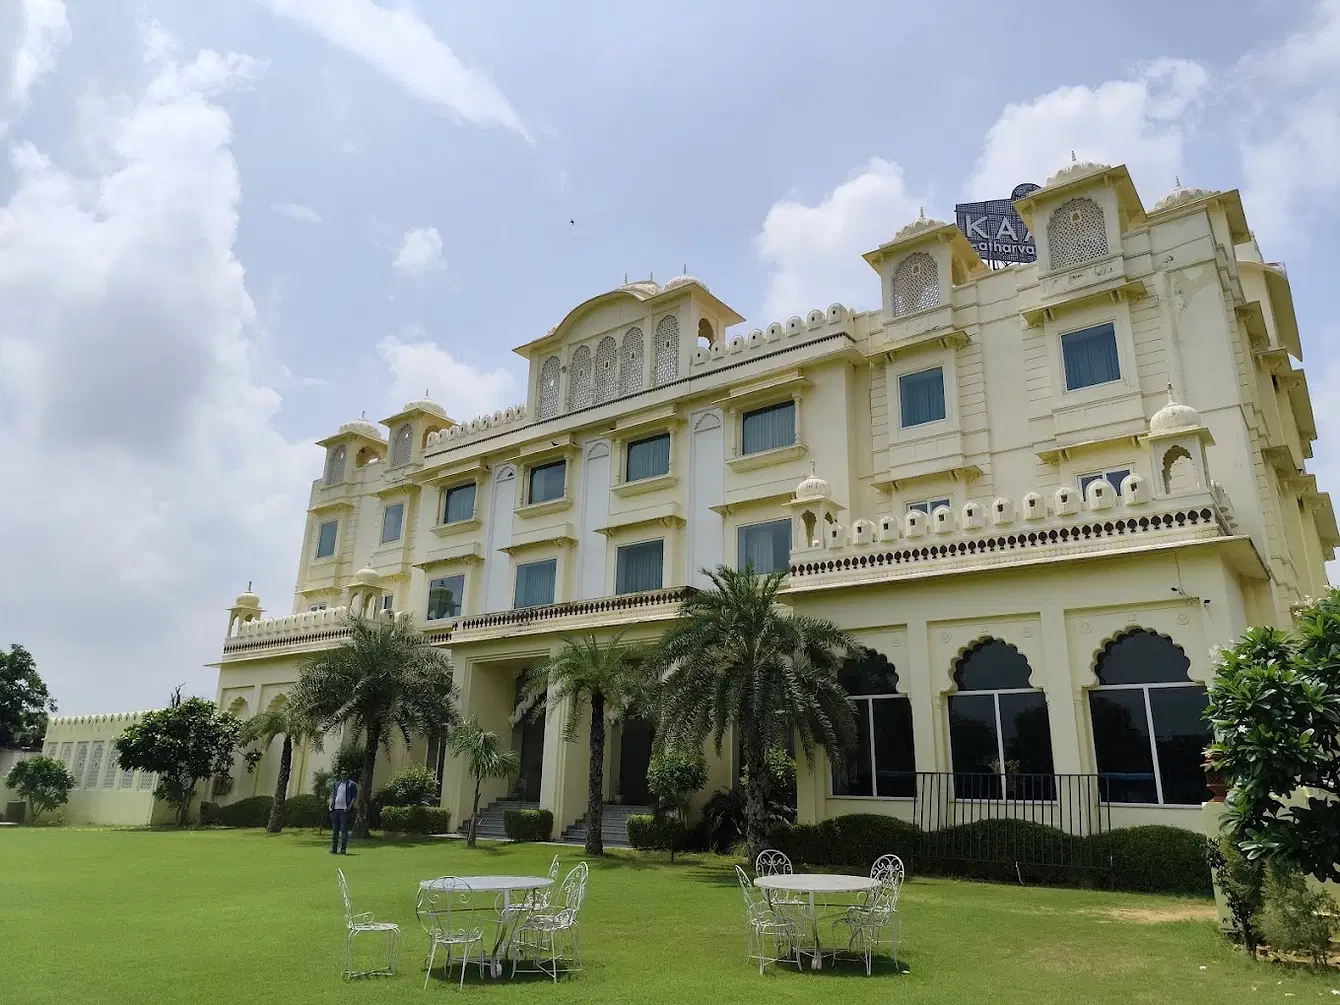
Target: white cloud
[[297, 211], [1142, 122], [32, 35], [418, 365], [156, 485], [815, 251], [420, 251], [401, 46]]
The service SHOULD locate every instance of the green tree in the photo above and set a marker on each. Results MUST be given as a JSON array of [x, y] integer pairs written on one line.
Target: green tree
[[673, 776], [24, 700], [183, 744], [385, 679], [486, 757], [1275, 708], [738, 662], [286, 720], [43, 781], [603, 678]]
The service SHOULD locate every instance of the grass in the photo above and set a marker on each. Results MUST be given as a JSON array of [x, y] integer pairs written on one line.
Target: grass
[[238, 916]]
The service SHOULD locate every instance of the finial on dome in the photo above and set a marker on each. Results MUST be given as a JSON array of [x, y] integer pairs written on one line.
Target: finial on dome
[[1172, 398], [625, 278], [426, 394], [363, 414], [1177, 182], [248, 586], [921, 212], [1073, 158], [651, 277], [686, 269]]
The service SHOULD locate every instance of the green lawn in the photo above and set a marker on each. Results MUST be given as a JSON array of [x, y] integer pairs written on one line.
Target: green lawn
[[112, 916]]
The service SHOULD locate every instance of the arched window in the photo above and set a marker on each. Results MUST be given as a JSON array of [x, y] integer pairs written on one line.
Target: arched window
[[1076, 233], [999, 734], [403, 448], [884, 763], [706, 336], [1179, 471], [916, 284], [607, 369], [666, 351], [335, 466], [630, 361], [1149, 736], [546, 394], [581, 390]]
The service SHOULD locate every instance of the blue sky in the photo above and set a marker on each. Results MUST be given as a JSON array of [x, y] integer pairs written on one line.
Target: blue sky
[[227, 228]]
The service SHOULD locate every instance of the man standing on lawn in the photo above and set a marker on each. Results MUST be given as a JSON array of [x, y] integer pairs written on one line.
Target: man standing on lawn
[[342, 801]]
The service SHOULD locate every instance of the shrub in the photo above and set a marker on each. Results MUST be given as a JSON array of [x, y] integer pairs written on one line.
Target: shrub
[[1241, 882], [411, 786], [253, 811], [723, 819], [43, 782], [1159, 859], [853, 841], [209, 814], [306, 810], [416, 820], [1296, 918], [528, 825], [651, 833]]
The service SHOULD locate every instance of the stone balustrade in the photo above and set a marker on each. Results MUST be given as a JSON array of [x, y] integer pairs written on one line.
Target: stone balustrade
[[777, 335], [513, 415]]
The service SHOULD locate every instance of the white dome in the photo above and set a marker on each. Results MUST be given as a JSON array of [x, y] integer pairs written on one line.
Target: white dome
[[1075, 169], [644, 287], [1173, 417], [684, 280], [366, 577], [425, 405], [1180, 196], [813, 487], [921, 224], [247, 599], [362, 427]]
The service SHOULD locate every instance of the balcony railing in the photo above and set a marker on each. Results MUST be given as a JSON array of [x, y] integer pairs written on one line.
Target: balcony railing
[[527, 616]]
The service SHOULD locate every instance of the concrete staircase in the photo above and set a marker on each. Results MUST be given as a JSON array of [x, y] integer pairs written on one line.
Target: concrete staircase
[[491, 818], [613, 826]]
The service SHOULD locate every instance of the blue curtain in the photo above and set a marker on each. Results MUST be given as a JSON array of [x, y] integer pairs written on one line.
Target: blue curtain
[[535, 583], [768, 428], [648, 458], [444, 597], [460, 504], [639, 567], [766, 546], [1090, 356], [922, 396], [393, 519], [546, 481], [325, 539]]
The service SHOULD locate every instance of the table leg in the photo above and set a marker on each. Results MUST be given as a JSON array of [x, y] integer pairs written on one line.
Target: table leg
[[817, 961], [504, 934]]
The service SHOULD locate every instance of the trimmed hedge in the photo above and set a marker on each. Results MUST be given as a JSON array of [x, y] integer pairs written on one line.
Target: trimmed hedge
[[853, 841], [648, 833], [1160, 859], [306, 810], [416, 820], [209, 814], [528, 825], [254, 811]]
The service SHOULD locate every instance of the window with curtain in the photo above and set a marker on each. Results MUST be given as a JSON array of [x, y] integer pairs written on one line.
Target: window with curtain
[[393, 522], [884, 763], [765, 546], [648, 458], [1090, 357], [325, 538], [927, 506], [459, 503], [1114, 478], [768, 428], [546, 481], [999, 732], [1149, 736], [535, 583], [639, 567], [445, 597], [921, 396]]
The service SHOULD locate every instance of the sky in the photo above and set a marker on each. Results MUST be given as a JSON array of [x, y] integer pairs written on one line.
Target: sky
[[227, 228]]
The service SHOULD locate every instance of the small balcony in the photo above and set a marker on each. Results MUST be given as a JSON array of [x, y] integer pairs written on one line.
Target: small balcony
[[573, 616]]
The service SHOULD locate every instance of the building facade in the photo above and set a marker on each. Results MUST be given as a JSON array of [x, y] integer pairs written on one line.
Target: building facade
[[1037, 494]]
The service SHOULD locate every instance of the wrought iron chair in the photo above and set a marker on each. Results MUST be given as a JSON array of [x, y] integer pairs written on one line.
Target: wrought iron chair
[[766, 928], [544, 933], [434, 908], [877, 913], [354, 925]]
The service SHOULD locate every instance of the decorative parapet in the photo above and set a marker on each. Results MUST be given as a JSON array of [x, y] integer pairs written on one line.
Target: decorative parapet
[[776, 336], [629, 608], [106, 718], [513, 415], [311, 629]]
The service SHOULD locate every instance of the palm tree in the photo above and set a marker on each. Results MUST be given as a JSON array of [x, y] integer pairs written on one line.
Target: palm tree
[[609, 676], [292, 723], [385, 679], [488, 759], [738, 661]]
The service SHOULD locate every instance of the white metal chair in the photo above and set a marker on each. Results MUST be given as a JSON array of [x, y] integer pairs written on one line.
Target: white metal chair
[[434, 908], [547, 932], [356, 924], [877, 913], [766, 928]]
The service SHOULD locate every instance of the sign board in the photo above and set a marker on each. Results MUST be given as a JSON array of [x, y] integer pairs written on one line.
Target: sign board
[[995, 229]]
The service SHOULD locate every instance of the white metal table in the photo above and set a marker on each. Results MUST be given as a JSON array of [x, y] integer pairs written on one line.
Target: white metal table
[[505, 885], [810, 883]]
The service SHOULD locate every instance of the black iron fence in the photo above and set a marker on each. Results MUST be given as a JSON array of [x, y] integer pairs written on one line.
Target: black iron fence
[[1030, 827]]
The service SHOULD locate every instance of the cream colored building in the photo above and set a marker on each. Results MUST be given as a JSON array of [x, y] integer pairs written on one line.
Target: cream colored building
[[1040, 494]]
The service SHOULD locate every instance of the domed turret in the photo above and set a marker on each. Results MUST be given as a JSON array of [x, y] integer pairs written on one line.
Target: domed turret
[[683, 280], [920, 225], [248, 600], [363, 427], [1075, 169], [366, 577], [813, 487], [1180, 196], [425, 405], [1173, 417]]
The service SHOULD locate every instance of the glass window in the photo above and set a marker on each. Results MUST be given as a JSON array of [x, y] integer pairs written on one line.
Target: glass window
[[884, 763], [639, 567], [927, 506], [546, 481], [393, 522], [459, 504], [317, 607], [325, 539], [1090, 357], [436, 759], [921, 396], [445, 596], [535, 583], [648, 458], [388, 602], [1114, 478], [765, 546], [768, 428]]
